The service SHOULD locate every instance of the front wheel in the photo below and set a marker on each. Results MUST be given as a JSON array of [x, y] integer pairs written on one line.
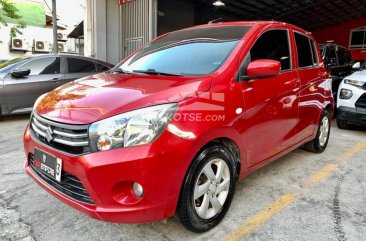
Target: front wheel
[[319, 144], [208, 189]]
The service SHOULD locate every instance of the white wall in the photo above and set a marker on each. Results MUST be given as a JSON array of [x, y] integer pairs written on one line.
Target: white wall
[[29, 34]]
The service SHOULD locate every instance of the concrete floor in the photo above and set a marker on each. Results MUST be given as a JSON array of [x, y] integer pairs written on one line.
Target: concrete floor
[[302, 196]]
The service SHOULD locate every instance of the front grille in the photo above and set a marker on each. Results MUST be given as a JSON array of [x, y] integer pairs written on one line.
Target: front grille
[[69, 185], [361, 102], [72, 139]]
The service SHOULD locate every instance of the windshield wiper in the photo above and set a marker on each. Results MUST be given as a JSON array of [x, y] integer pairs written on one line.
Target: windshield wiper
[[154, 72], [122, 71]]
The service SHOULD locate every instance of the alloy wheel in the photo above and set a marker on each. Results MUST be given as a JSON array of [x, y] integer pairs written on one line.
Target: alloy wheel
[[324, 131], [211, 188]]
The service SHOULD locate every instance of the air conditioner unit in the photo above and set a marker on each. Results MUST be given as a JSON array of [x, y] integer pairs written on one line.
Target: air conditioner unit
[[61, 36], [20, 44], [41, 46], [62, 48]]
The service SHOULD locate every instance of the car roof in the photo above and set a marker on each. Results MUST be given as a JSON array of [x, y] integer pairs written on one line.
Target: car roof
[[248, 23]]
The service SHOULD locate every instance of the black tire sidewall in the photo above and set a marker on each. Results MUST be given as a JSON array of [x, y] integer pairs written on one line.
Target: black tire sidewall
[[191, 220]]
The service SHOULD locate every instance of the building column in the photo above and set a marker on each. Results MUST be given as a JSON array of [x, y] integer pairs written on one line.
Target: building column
[[95, 32], [88, 29]]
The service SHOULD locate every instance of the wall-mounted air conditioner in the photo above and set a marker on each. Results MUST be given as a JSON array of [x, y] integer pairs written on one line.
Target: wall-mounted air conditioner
[[62, 48], [19, 44], [41, 46], [61, 36]]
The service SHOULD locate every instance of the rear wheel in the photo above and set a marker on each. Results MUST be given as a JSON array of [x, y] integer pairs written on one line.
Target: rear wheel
[[208, 189], [319, 144], [342, 124]]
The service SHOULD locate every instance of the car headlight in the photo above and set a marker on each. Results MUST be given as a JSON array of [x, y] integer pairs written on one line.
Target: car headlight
[[345, 94], [133, 128], [357, 83]]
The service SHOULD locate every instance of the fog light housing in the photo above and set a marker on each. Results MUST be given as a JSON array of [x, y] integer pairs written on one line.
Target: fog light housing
[[346, 94], [138, 189]]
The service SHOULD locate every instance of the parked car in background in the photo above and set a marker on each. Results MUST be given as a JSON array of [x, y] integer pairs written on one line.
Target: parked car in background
[[338, 60], [172, 128], [23, 80], [351, 105]]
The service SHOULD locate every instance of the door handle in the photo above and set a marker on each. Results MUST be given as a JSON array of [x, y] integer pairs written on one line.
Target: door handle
[[55, 80]]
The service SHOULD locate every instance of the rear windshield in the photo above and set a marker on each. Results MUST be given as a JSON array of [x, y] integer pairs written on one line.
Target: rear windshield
[[198, 51]]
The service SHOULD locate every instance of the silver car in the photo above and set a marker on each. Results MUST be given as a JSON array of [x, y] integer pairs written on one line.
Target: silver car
[[23, 80]]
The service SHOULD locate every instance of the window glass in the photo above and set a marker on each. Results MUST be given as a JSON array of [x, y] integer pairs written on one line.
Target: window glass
[[348, 57], [101, 68], [304, 52], [188, 52], [273, 45], [80, 66], [341, 53], [50, 65], [332, 57], [358, 38], [313, 51]]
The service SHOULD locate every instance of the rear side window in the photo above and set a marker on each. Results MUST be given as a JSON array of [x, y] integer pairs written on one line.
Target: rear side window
[[304, 51], [273, 45], [39, 66], [80, 66]]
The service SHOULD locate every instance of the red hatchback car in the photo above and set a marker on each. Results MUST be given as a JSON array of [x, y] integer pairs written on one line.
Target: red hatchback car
[[172, 128]]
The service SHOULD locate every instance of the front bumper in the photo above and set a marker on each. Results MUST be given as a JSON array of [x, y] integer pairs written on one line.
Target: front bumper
[[352, 115], [108, 176]]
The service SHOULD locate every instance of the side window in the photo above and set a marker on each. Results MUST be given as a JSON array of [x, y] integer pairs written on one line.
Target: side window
[[80, 66], [332, 57], [341, 54], [101, 68], [273, 45], [314, 52], [49, 65], [304, 51]]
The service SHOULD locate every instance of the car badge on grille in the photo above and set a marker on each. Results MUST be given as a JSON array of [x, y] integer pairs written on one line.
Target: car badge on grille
[[49, 133]]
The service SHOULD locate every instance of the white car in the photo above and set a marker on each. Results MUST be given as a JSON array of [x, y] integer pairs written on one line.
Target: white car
[[351, 104]]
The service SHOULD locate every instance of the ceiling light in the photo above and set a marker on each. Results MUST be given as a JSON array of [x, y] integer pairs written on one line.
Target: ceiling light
[[218, 3]]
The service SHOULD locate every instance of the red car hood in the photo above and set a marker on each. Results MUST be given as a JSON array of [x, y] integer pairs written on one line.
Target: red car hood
[[100, 96]]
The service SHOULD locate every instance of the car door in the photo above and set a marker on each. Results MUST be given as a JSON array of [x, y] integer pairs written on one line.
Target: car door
[[313, 86], [270, 103], [45, 75], [78, 68]]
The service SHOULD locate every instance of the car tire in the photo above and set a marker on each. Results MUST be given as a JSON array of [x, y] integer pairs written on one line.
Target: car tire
[[342, 124], [206, 194], [319, 144]]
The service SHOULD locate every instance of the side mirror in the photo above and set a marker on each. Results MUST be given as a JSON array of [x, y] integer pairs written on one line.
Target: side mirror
[[263, 68], [356, 65], [20, 73]]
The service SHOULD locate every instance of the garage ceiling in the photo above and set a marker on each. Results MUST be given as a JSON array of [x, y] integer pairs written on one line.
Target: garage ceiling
[[309, 14]]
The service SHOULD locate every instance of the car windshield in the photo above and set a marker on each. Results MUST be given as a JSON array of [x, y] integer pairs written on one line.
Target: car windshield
[[198, 51], [363, 66], [9, 65]]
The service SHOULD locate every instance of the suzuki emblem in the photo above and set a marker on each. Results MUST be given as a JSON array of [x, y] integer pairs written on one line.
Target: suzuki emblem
[[49, 133]]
